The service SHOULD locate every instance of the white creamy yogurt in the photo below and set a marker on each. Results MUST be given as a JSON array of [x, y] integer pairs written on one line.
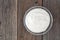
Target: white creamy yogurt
[[37, 20]]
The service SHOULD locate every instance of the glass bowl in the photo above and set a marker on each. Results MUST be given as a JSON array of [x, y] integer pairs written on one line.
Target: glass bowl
[[50, 24]]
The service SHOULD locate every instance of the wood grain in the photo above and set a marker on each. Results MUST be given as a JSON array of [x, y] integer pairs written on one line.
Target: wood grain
[[8, 20], [54, 7], [22, 6]]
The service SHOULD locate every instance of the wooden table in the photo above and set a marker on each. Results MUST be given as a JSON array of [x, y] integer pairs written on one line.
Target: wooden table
[[11, 19]]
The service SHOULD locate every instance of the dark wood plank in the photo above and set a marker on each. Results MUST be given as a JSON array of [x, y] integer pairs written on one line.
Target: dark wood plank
[[8, 20], [54, 7], [23, 5], [1, 31]]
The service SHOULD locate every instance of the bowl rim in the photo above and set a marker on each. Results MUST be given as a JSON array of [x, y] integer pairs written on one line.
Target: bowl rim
[[50, 25]]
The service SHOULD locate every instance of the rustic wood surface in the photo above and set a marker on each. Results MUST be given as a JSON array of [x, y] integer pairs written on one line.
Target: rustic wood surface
[[11, 19], [54, 7], [23, 5], [8, 20]]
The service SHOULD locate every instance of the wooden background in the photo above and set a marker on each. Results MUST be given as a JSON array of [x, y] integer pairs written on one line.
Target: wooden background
[[11, 19], [8, 19]]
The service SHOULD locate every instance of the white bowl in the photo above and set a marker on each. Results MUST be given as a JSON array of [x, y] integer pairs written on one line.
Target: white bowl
[[49, 26]]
